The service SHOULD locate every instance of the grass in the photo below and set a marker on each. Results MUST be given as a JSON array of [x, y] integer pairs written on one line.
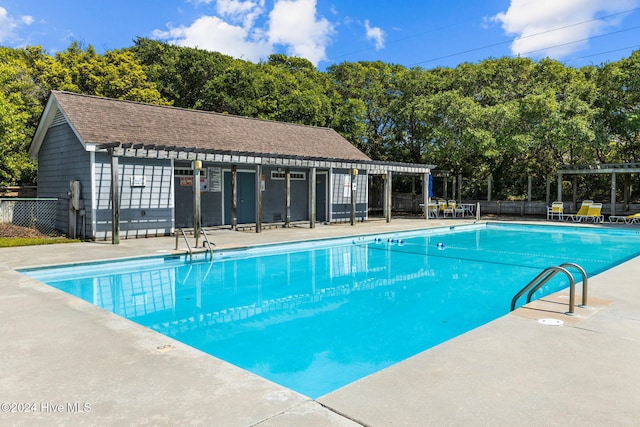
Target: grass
[[8, 242]]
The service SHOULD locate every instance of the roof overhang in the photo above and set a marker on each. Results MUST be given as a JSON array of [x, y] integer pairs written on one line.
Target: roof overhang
[[599, 168], [241, 158], [46, 120]]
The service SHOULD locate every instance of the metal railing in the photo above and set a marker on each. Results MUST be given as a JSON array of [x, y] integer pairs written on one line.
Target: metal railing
[[546, 275], [206, 243]]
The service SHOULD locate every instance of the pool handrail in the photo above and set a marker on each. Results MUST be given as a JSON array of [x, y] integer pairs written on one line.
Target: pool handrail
[[585, 283], [546, 275]]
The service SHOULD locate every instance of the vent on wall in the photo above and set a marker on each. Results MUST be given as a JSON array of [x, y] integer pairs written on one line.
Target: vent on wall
[[58, 119]]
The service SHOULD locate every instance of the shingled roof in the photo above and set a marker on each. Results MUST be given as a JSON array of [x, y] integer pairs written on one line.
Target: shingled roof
[[99, 120]]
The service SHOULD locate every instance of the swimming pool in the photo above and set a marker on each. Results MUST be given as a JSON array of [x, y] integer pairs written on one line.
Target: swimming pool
[[318, 315]]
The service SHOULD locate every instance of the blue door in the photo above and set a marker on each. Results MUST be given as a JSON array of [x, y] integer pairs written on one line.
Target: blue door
[[246, 190], [321, 197]]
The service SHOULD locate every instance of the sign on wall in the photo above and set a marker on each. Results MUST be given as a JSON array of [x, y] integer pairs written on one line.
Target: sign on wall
[[215, 180], [346, 187]]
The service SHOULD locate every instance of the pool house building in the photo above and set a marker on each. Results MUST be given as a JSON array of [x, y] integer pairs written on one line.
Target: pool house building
[[122, 168]]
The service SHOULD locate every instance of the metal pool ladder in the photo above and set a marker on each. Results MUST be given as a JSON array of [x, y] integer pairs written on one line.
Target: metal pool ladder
[[206, 243], [546, 275]]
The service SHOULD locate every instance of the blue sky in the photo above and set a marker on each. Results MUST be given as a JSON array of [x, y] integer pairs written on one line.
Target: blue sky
[[407, 32]]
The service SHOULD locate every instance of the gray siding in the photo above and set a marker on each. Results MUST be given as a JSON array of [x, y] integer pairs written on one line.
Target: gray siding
[[145, 210], [210, 201], [215, 203], [62, 159], [274, 198], [341, 196]]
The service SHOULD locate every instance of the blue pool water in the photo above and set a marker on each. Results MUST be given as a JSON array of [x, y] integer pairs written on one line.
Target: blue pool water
[[318, 315]]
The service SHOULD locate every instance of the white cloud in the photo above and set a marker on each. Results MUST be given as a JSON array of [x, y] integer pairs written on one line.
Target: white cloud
[[212, 33], [293, 23], [374, 33], [245, 12], [243, 29], [9, 24], [547, 27]]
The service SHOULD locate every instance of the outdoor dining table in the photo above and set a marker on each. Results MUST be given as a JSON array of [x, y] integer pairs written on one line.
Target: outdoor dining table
[[469, 209]]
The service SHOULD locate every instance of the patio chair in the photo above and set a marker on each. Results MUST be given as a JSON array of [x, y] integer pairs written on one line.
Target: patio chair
[[555, 210], [457, 210], [584, 208], [452, 209], [593, 213], [633, 219], [432, 210], [442, 206], [627, 219]]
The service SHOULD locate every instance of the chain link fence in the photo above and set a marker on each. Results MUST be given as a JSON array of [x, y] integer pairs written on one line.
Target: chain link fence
[[32, 213]]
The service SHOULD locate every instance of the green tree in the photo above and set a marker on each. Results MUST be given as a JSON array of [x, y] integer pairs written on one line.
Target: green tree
[[116, 74], [180, 73], [369, 89], [17, 108], [618, 117]]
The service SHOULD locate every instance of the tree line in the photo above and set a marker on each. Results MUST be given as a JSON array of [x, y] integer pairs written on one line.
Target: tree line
[[508, 118]]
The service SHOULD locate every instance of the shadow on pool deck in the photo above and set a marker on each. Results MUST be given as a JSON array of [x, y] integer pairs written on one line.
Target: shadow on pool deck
[[65, 361]]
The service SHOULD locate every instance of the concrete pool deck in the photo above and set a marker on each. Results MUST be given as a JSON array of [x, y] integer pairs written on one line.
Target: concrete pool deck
[[67, 362]]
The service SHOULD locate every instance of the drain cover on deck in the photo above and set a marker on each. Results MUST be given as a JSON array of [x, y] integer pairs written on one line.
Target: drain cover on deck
[[551, 322]]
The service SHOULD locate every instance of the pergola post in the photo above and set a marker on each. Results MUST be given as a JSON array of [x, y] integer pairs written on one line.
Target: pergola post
[[529, 188], [425, 195], [454, 187], [258, 198], [287, 197], [489, 180], [115, 199], [627, 191], [548, 195], [197, 165], [234, 197], [312, 197], [354, 175], [445, 187], [559, 199], [613, 193], [387, 197]]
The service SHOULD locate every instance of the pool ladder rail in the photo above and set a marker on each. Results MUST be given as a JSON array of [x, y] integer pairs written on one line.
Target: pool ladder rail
[[206, 243], [546, 275]]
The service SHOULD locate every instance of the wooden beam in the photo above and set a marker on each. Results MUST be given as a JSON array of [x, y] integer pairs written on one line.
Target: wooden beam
[[388, 192], [354, 175], [115, 199], [234, 197], [258, 198], [196, 199], [613, 193], [287, 197], [559, 198], [425, 195], [312, 197]]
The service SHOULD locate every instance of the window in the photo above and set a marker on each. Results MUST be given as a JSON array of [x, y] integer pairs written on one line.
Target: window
[[189, 172], [295, 176]]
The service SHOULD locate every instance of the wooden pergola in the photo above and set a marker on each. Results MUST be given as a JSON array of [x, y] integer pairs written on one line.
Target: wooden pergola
[[387, 170], [613, 169]]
